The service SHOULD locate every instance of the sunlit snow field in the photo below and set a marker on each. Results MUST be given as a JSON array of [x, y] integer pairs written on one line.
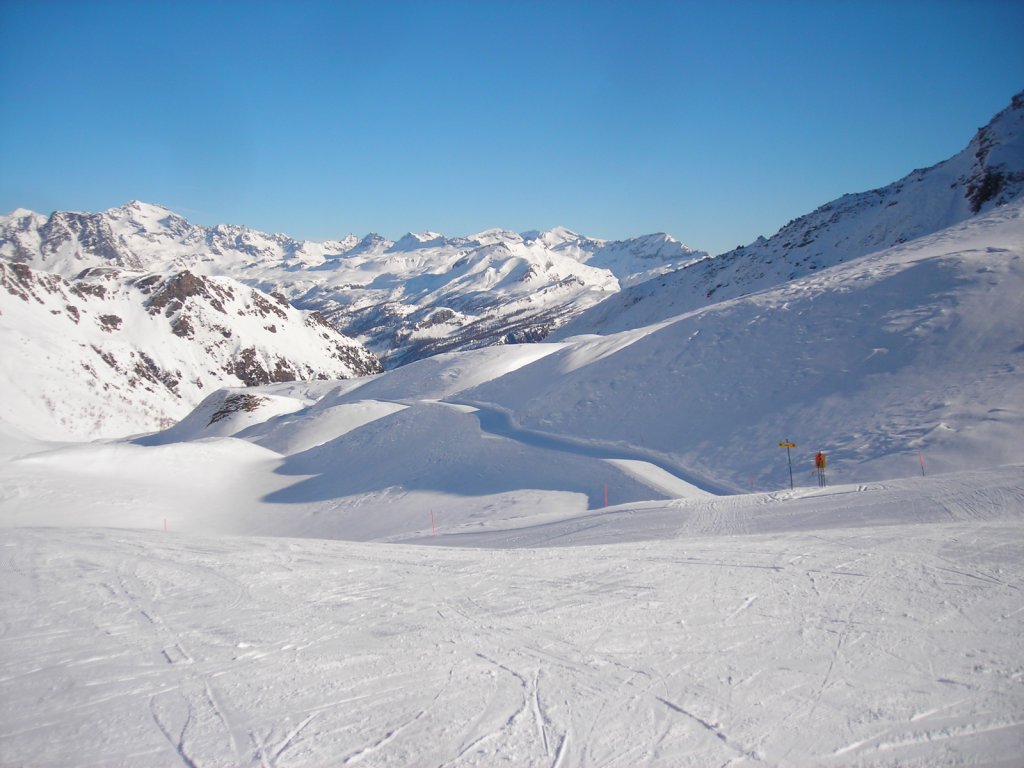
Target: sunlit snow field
[[583, 553], [840, 636]]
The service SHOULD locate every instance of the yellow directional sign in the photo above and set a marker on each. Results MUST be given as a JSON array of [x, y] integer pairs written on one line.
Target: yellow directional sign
[[787, 445]]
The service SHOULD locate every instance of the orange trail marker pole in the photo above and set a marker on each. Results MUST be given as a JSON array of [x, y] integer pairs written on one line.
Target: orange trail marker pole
[[433, 525], [920, 458]]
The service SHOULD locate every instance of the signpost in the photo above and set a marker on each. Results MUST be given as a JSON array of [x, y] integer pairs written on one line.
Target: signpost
[[787, 445]]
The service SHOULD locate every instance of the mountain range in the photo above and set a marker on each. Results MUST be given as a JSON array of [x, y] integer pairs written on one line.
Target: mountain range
[[122, 321], [638, 562], [407, 299]]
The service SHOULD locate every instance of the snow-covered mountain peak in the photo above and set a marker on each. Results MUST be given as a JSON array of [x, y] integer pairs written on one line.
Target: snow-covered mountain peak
[[334, 249], [642, 258], [19, 213], [140, 210], [151, 222], [493, 236], [20, 226], [412, 241], [371, 245], [997, 173], [555, 237]]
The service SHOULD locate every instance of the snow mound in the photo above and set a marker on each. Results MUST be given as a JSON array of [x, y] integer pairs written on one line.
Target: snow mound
[[225, 413]]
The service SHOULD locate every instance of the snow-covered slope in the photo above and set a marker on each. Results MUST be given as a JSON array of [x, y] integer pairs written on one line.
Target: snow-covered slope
[[596, 599], [593, 601], [408, 299], [114, 353], [908, 355], [884, 631], [915, 348], [989, 172]]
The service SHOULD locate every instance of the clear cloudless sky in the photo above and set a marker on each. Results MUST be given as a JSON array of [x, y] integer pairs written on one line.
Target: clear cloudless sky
[[713, 121]]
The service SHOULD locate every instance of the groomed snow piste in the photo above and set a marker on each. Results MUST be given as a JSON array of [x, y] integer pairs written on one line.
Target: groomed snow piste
[[859, 625]]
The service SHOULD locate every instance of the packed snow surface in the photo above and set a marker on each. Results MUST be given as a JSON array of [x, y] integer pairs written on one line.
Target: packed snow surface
[[857, 625]]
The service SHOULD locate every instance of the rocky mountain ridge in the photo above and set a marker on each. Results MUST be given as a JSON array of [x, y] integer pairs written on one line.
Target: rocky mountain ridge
[[179, 307], [112, 352], [986, 174]]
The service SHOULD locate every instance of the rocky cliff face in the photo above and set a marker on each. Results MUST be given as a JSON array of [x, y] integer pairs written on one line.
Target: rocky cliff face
[[113, 352]]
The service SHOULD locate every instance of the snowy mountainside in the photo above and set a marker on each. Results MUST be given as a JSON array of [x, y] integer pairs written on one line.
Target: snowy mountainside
[[115, 352], [917, 348], [420, 295], [587, 605], [909, 354], [141, 236], [987, 173]]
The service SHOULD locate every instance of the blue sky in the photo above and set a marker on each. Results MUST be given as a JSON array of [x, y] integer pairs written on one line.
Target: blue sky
[[715, 122]]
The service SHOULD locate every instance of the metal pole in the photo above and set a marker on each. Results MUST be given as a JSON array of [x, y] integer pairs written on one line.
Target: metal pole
[[789, 459]]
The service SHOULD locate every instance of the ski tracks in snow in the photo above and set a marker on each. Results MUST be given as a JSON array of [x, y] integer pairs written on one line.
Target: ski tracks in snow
[[208, 727], [864, 645]]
